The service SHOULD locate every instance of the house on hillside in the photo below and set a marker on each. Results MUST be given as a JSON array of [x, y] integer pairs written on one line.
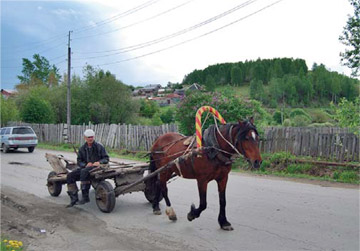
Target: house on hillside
[[168, 99], [8, 93], [147, 91], [195, 87], [180, 92]]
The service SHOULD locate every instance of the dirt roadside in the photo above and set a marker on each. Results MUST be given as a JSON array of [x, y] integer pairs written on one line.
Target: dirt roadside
[[42, 225]]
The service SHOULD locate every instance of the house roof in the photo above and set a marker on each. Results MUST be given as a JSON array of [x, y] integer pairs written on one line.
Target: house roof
[[173, 95]]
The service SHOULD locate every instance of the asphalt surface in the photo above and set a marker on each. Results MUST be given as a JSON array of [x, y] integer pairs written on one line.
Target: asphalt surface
[[267, 214]]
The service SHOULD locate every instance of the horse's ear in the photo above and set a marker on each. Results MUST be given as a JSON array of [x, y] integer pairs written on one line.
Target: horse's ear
[[240, 122], [251, 120]]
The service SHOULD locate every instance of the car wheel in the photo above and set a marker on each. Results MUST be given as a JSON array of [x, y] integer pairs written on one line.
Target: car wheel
[[6, 148], [31, 149]]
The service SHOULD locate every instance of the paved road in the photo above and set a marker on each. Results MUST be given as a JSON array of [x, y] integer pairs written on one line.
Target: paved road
[[267, 214]]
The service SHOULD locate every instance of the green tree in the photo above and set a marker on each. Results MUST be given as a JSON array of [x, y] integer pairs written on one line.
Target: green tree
[[156, 120], [9, 111], [36, 110], [210, 83], [351, 39], [257, 90], [347, 113], [39, 71], [148, 108], [236, 75], [101, 98], [167, 116], [278, 117]]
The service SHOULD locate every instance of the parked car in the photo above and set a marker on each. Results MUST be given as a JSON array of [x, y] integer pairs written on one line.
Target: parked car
[[18, 137]]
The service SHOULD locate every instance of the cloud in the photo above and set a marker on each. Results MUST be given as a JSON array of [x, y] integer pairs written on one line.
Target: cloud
[[40, 8], [65, 13]]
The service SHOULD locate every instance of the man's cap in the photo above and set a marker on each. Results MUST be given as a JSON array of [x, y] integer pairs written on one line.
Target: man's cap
[[89, 133]]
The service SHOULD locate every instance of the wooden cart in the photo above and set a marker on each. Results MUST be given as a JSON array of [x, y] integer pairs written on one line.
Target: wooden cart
[[127, 178]]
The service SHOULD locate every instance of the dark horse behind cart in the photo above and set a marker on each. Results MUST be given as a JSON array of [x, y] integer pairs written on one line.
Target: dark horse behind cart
[[211, 162]]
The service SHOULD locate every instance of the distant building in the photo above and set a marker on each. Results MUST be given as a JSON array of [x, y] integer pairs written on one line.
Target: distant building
[[8, 93], [195, 86], [169, 99], [180, 92], [147, 91]]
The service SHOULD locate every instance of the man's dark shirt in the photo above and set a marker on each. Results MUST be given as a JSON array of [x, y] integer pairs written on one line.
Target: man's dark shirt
[[92, 154]]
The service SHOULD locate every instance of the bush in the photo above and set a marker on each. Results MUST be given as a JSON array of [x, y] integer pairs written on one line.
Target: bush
[[278, 116], [349, 176], [167, 116], [287, 122], [37, 110], [148, 108], [299, 112], [300, 120], [9, 111], [320, 116]]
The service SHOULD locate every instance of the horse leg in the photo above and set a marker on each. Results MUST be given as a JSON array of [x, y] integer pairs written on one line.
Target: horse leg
[[155, 204], [195, 212], [169, 210], [224, 224]]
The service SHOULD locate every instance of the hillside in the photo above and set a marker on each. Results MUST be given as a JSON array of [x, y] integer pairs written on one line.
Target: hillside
[[284, 81]]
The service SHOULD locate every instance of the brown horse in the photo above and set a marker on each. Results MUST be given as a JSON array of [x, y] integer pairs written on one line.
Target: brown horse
[[212, 163]]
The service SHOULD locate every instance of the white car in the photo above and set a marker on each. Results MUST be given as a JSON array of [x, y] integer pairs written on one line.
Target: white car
[[18, 137]]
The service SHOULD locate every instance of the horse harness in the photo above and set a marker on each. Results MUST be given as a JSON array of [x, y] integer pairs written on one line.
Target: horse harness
[[214, 151], [211, 145]]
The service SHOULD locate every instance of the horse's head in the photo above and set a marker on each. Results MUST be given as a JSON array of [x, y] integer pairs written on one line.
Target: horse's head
[[248, 142]]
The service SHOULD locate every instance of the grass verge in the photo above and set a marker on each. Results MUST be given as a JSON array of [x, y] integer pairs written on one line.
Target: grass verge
[[284, 164]]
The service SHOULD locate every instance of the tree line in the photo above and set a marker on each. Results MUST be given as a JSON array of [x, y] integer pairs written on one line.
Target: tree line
[[280, 80], [97, 97]]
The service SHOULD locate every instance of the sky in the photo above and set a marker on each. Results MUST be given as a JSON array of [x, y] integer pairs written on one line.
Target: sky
[[146, 42]]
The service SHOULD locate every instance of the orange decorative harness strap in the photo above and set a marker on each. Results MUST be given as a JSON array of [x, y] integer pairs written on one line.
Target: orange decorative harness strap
[[199, 112]]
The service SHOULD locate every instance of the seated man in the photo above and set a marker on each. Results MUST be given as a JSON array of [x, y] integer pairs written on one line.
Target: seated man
[[90, 155]]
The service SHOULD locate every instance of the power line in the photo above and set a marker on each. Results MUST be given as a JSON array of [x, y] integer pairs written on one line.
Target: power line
[[178, 33], [192, 39], [116, 17], [136, 23]]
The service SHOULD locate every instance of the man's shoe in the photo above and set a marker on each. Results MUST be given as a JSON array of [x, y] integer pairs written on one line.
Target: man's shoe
[[73, 198]]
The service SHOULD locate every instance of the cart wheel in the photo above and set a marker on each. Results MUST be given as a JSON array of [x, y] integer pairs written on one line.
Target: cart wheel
[[105, 196], [150, 190], [54, 187]]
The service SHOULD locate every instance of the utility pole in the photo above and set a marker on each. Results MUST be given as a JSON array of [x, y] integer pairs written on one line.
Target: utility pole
[[68, 103]]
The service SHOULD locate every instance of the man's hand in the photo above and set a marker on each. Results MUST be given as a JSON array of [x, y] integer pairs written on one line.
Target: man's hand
[[97, 163], [89, 164]]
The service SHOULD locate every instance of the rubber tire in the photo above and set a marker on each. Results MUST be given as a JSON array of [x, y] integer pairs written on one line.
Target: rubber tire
[[54, 188], [6, 149], [149, 191], [31, 149], [105, 196]]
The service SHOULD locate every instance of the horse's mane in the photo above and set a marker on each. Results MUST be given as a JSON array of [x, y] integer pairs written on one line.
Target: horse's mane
[[210, 140]]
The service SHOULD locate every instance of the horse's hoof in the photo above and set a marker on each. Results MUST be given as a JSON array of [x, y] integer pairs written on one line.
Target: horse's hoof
[[173, 218], [157, 212], [190, 217], [227, 228]]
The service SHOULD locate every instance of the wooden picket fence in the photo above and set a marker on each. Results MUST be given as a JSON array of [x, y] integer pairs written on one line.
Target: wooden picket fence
[[117, 136], [332, 143]]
